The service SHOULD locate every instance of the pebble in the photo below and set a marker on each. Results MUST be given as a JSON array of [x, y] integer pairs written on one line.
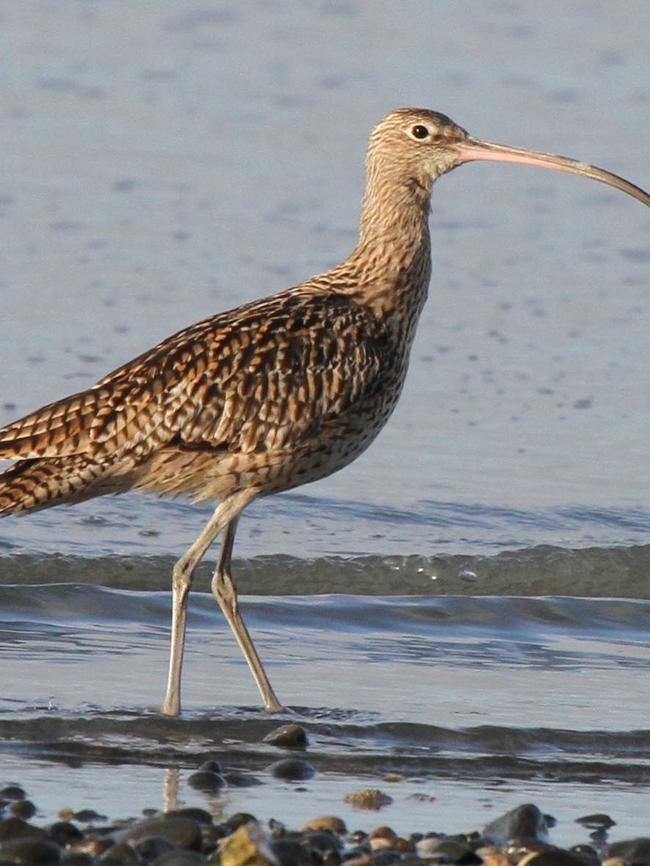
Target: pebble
[[93, 847], [596, 822], [12, 792], [288, 737], [518, 850], [181, 858], [588, 854], [289, 852], [190, 837], [522, 822], [292, 769], [635, 851], [211, 835], [17, 828], [121, 854], [206, 781], [371, 799], [236, 779], [239, 819], [492, 856], [554, 857], [208, 778], [152, 847], [78, 858], [22, 809], [30, 852], [382, 838], [182, 832], [64, 833], [448, 849], [247, 846], [212, 766], [197, 814], [422, 797], [326, 822], [85, 816], [322, 841]]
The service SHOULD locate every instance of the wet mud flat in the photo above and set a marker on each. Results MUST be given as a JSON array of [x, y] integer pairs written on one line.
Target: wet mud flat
[[220, 809]]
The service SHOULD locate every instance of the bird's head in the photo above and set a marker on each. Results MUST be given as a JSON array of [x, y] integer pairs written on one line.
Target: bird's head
[[414, 146]]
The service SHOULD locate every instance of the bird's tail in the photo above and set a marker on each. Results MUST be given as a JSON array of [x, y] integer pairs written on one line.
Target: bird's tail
[[39, 483]]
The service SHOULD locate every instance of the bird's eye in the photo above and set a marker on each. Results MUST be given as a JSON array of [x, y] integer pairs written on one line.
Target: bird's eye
[[420, 132]]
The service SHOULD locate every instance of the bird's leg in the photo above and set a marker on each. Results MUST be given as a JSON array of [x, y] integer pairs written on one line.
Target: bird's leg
[[225, 591], [182, 574]]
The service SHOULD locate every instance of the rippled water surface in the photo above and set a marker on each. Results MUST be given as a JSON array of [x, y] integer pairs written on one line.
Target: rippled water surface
[[465, 606], [476, 703]]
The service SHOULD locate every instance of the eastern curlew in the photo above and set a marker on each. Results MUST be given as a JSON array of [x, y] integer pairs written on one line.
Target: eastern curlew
[[276, 393]]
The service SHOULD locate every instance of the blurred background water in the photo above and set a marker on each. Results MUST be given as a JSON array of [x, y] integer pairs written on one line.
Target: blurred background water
[[162, 162]]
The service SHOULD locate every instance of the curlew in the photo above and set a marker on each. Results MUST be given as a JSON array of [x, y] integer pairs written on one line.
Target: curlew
[[273, 394]]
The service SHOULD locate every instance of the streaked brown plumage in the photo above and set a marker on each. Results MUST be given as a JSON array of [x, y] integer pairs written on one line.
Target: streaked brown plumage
[[273, 394]]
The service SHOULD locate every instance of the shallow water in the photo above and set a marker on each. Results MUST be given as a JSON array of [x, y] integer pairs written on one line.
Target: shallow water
[[479, 703], [163, 163]]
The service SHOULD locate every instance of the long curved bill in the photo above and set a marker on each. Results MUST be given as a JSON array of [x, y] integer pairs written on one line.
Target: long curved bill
[[474, 149]]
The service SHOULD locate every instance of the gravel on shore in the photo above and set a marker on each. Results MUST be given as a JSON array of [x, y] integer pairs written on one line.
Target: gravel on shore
[[191, 836]]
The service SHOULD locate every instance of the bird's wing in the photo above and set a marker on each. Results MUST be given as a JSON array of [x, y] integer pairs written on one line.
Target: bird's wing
[[69, 426], [249, 379], [123, 406], [277, 378]]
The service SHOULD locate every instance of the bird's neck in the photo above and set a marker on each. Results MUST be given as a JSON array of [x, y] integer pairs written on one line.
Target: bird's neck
[[391, 263], [395, 207]]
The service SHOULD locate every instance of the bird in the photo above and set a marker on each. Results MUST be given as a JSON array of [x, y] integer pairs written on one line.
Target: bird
[[270, 395]]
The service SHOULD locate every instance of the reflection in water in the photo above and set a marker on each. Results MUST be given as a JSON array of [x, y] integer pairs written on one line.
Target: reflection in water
[[170, 789]]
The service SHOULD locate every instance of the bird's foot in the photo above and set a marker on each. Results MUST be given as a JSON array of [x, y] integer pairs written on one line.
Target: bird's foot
[[169, 708], [275, 706]]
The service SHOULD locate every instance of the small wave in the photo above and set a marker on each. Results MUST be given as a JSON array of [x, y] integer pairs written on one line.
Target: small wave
[[338, 743], [619, 572], [77, 621]]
